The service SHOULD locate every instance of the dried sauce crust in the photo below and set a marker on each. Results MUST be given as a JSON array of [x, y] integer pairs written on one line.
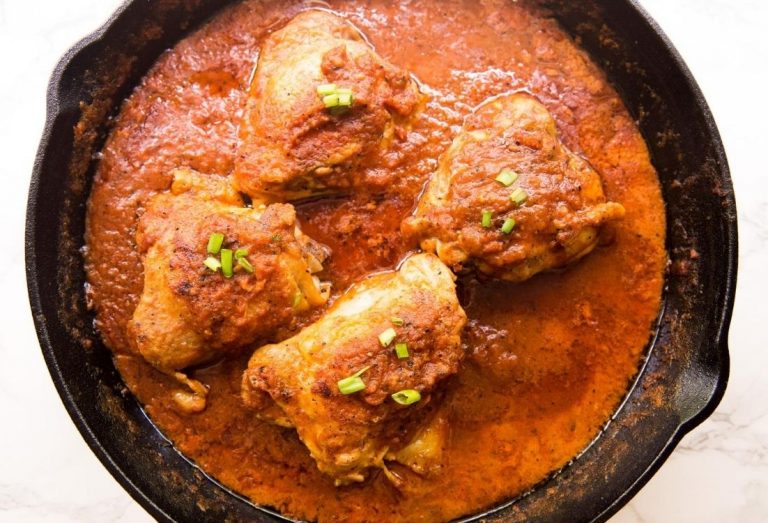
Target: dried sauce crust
[[549, 359]]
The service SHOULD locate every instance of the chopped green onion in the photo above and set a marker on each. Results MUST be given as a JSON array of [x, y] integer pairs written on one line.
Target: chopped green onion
[[406, 396], [241, 253], [362, 371], [401, 349], [486, 221], [397, 321], [509, 224], [506, 177], [518, 196], [345, 99], [214, 243], [353, 383], [386, 337], [336, 99], [245, 264], [326, 89], [212, 263], [297, 299], [331, 100], [226, 263]]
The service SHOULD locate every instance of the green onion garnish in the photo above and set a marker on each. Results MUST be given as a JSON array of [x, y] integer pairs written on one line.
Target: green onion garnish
[[406, 396], [212, 263], [486, 221], [401, 349], [214, 243], [518, 196], [326, 89], [397, 321], [226, 263], [241, 253], [386, 337], [331, 100], [508, 225], [506, 177], [297, 299], [244, 263], [353, 383], [345, 99], [335, 98]]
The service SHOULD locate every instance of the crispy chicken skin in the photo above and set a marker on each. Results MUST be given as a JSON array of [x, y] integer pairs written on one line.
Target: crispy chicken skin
[[188, 314], [294, 383], [557, 225], [291, 146]]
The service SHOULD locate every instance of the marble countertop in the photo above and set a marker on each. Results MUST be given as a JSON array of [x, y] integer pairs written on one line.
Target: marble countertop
[[718, 473]]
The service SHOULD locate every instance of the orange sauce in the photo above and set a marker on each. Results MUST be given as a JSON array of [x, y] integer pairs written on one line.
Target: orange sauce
[[550, 359]]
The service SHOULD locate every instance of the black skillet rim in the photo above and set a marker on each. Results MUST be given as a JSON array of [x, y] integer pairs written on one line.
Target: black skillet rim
[[719, 339]]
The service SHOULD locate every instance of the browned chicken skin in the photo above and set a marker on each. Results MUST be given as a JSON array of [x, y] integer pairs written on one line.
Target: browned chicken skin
[[295, 383], [560, 207], [189, 314], [291, 145]]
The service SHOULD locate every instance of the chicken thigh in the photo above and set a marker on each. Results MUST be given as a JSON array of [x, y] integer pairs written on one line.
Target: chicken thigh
[[357, 385], [509, 197], [218, 276], [322, 103]]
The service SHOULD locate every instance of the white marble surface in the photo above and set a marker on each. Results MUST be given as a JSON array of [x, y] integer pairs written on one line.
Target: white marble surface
[[719, 473]]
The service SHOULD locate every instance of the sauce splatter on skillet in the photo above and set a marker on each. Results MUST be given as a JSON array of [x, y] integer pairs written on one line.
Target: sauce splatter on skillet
[[550, 359]]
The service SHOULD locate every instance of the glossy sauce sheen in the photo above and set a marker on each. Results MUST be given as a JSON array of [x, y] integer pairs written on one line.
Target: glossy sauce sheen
[[550, 359]]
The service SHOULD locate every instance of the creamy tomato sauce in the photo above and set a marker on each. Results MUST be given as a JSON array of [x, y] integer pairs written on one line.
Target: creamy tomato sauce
[[550, 359]]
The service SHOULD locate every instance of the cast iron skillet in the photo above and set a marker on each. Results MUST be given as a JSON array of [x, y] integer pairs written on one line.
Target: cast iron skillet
[[684, 375]]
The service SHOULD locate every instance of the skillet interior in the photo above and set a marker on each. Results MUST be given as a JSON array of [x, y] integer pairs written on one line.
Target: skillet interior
[[680, 385]]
